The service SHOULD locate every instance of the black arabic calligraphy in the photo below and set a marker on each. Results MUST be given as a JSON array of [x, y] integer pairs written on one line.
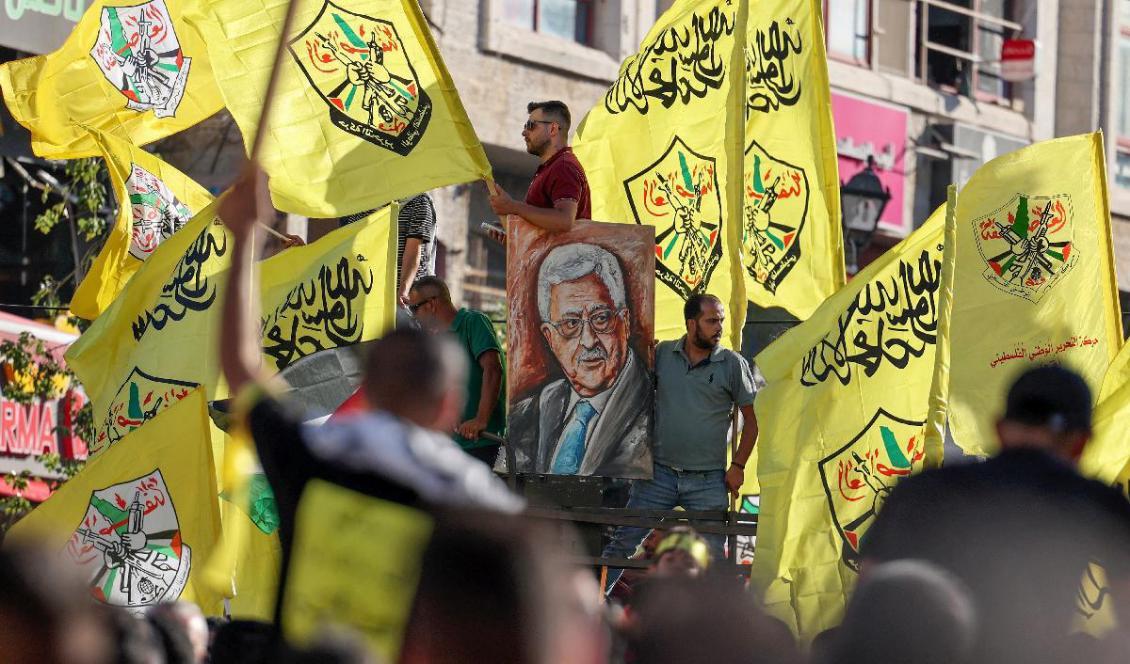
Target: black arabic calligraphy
[[891, 321], [680, 64], [189, 289], [771, 82], [317, 314]]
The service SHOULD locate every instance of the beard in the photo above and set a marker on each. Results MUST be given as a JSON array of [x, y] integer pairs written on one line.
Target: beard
[[704, 342], [537, 149]]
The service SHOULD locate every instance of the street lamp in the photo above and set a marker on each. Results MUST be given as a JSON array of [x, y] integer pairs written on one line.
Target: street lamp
[[862, 201]]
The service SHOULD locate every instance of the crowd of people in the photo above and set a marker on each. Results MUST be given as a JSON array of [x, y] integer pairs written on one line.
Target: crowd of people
[[972, 563]]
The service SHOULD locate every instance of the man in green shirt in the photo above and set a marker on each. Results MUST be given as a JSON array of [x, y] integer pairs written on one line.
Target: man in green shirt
[[429, 301]]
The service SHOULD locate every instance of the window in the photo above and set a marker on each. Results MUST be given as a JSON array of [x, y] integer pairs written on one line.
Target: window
[[959, 45], [848, 27], [1125, 12], [568, 19]]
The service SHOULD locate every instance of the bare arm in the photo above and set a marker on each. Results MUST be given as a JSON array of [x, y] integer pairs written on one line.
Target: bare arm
[[241, 207], [558, 219], [491, 364], [735, 474], [409, 264]]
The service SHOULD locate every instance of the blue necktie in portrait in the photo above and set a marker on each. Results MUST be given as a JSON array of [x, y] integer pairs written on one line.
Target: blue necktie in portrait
[[572, 449]]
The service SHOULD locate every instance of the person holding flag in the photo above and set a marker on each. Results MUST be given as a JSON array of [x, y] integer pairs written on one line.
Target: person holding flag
[[386, 469], [559, 193]]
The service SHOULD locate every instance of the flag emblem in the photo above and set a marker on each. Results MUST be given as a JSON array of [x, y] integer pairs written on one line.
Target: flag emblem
[[138, 52], [1027, 244], [140, 398], [129, 544], [359, 67], [775, 208], [859, 476], [155, 210], [678, 194]]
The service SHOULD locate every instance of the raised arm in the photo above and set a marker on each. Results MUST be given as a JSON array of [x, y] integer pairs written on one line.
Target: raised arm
[[245, 204]]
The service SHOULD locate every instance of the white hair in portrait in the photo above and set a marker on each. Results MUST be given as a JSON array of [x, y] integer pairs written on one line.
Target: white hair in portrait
[[570, 262]]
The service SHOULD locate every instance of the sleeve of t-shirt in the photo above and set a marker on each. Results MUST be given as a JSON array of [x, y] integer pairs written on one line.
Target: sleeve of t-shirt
[[418, 219], [567, 183], [741, 382], [482, 337]]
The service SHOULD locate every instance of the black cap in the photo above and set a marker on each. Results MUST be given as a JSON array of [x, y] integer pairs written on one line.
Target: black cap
[[1052, 397]]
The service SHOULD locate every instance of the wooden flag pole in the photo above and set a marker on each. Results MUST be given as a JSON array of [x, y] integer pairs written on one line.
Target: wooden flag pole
[[492, 187]]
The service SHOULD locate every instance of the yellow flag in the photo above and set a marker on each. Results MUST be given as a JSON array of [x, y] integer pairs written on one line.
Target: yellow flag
[[160, 335], [246, 562], [1107, 459], [365, 110], [129, 68], [154, 201], [1033, 279], [792, 245], [844, 416], [334, 548], [663, 147], [140, 520]]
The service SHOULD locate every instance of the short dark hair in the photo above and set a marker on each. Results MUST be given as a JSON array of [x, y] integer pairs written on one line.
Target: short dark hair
[[434, 286], [1052, 397], [693, 307], [408, 357], [554, 110]]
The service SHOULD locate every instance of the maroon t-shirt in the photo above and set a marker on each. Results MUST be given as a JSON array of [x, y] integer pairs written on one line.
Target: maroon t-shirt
[[559, 178]]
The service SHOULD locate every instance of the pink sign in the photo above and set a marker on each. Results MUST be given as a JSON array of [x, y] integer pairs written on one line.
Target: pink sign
[[864, 129]]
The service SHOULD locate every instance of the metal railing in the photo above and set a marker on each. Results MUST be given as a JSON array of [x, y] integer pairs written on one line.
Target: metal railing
[[729, 523]]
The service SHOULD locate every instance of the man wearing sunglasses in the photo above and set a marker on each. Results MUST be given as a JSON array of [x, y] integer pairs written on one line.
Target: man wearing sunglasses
[[559, 193], [429, 302], [597, 418]]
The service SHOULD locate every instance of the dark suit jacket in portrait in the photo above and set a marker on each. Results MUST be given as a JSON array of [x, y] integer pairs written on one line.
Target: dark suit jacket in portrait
[[618, 446]]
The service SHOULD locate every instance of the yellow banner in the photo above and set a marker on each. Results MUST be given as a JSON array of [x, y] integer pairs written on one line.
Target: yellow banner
[[1032, 233], [159, 338], [334, 548], [844, 416], [663, 147], [365, 111], [154, 201], [792, 243], [140, 520], [1107, 459], [132, 69]]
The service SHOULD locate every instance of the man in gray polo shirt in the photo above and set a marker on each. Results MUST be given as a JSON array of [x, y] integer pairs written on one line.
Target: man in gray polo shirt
[[698, 383]]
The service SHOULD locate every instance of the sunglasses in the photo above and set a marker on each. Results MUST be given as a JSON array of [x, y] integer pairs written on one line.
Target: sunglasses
[[413, 308], [530, 124]]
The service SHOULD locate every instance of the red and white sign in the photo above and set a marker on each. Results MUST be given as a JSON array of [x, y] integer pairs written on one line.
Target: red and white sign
[[1018, 60], [28, 431]]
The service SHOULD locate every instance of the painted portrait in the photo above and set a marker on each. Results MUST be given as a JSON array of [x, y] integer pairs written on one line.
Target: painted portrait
[[579, 333]]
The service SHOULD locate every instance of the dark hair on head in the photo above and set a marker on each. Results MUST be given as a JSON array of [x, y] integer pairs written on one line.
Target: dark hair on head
[[434, 286], [242, 641], [1050, 396], [553, 110], [693, 306], [407, 358]]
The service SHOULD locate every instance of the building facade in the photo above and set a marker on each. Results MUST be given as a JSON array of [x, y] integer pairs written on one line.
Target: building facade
[[916, 91]]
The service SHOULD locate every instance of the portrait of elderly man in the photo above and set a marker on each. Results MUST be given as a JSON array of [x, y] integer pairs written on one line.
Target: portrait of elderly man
[[596, 420]]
